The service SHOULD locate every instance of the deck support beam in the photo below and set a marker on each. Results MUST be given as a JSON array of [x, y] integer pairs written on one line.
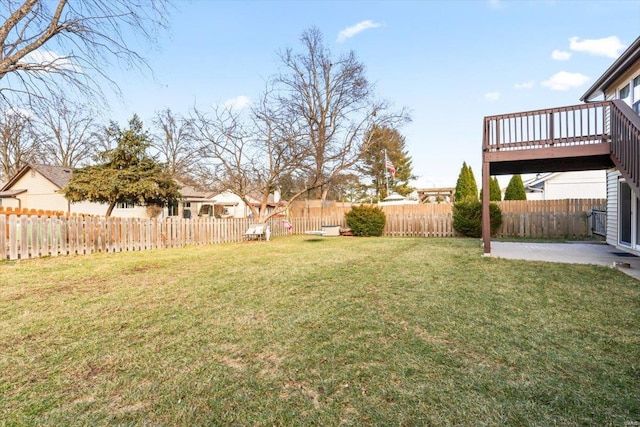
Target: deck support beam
[[486, 199]]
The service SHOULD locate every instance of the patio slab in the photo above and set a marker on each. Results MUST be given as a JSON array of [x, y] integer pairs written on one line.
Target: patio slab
[[573, 253]]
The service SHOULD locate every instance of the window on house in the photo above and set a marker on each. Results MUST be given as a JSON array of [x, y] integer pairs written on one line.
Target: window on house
[[173, 208], [125, 205], [186, 204], [624, 94]]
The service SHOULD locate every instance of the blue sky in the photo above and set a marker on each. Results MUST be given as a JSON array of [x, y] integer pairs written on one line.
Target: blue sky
[[449, 62]]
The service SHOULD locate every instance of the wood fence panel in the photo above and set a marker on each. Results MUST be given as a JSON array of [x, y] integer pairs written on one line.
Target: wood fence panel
[[55, 235], [64, 229], [30, 230], [13, 237], [4, 234], [45, 226]]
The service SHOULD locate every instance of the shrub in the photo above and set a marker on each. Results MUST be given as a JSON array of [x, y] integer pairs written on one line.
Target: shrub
[[366, 220], [467, 218]]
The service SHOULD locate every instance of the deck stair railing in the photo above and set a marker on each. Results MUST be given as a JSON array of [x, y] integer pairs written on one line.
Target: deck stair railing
[[625, 142]]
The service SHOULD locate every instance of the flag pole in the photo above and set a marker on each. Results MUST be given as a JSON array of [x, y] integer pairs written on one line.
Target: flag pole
[[386, 171]]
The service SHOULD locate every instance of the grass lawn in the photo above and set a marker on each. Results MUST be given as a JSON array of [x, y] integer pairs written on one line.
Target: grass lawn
[[317, 331]]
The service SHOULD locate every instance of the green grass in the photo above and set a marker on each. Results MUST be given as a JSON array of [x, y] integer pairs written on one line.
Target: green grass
[[324, 331]]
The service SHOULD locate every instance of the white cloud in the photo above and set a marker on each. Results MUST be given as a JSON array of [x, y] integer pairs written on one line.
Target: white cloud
[[560, 55], [237, 103], [17, 112], [609, 46], [492, 96], [51, 58], [355, 29], [525, 85], [496, 4], [565, 81]]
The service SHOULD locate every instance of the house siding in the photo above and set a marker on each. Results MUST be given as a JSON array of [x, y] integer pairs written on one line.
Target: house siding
[[575, 185], [41, 194], [612, 207]]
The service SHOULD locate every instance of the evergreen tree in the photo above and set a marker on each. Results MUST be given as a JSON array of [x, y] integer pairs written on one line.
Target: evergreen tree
[[515, 190], [124, 174], [466, 187], [495, 195], [473, 186], [373, 161]]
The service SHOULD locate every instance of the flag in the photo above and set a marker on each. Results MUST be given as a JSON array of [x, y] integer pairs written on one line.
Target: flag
[[287, 225], [390, 167]]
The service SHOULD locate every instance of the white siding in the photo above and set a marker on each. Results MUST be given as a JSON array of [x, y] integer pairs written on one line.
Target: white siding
[[612, 207], [577, 185]]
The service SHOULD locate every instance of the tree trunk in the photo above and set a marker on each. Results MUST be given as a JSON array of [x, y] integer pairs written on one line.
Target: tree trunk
[[110, 209]]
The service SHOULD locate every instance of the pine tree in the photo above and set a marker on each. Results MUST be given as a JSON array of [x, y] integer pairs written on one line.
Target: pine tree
[[373, 161], [125, 174], [495, 195], [515, 190], [466, 187]]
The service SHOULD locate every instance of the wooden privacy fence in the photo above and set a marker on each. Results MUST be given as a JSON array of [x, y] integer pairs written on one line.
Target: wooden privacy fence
[[37, 236], [32, 236]]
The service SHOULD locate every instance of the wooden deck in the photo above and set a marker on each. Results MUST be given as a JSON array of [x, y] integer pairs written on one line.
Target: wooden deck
[[591, 136]]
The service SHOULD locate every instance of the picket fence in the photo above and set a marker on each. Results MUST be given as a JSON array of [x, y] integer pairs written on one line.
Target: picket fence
[[33, 236]]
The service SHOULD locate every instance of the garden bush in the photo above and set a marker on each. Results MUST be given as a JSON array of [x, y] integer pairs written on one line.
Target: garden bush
[[467, 218], [366, 220]]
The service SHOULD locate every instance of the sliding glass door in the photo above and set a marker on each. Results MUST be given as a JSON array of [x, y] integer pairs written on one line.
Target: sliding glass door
[[628, 216]]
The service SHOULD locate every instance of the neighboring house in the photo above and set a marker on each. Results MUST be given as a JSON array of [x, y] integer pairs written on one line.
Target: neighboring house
[[596, 135], [567, 185], [38, 187], [230, 205], [193, 203]]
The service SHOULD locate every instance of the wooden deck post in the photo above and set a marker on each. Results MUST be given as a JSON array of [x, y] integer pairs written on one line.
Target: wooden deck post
[[486, 197]]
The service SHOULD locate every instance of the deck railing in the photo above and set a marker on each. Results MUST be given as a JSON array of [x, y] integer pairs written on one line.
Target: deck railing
[[625, 142], [582, 124]]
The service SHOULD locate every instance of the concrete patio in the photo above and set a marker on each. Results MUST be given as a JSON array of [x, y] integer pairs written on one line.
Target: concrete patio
[[573, 253]]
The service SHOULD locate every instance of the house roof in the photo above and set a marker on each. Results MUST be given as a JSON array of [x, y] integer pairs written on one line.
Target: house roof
[[11, 193], [540, 178], [622, 64], [191, 193], [58, 175]]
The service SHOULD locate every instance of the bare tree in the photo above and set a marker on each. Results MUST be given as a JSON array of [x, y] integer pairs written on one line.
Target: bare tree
[[17, 145], [175, 141], [335, 104], [252, 157], [55, 45], [67, 133]]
